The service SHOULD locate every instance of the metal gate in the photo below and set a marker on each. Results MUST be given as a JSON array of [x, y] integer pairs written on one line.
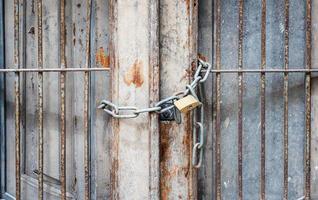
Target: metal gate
[[46, 100], [260, 143], [263, 99]]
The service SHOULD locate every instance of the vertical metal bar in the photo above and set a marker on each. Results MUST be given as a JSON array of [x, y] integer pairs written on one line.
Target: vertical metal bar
[[262, 91], [240, 103], [17, 101], [286, 66], [62, 96], [86, 101], [40, 103], [17, 136], [308, 102], [218, 101]]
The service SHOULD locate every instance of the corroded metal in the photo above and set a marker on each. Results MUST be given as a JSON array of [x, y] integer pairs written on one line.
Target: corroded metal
[[17, 136], [174, 16], [62, 102], [286, 66], [86, 103], [240, 103], [308, 102], [262, 98], [131, 178], [40, 103], [17, 103], [218, 102]]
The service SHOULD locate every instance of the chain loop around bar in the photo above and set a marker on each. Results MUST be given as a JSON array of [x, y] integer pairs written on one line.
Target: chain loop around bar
[[200, 76]]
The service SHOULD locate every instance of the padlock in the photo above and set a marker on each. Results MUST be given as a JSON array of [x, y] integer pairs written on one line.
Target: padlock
[[187, 103]]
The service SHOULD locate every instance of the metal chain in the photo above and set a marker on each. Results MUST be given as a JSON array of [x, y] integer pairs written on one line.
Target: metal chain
[[200, 76], [198, 141]]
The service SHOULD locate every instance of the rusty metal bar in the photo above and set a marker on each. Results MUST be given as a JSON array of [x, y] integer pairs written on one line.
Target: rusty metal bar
[[86, 102], [286, 66], [218, 102], [40, 103], [240, 103], [17, 102], [262, 93], [62, 93], [17, 136], [308, 102]]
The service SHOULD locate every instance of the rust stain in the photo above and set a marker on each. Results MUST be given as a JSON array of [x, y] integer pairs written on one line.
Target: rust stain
[[168, 170], [102, 58], [135, 74], [187, 74], [188, 6], [165, 155], [202, 57]]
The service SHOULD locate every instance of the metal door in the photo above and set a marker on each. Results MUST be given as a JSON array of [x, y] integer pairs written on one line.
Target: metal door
[[260, 99]]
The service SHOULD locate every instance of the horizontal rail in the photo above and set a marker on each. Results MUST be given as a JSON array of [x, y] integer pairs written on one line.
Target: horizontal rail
[[212, 71], [263, 70], [54, 70]]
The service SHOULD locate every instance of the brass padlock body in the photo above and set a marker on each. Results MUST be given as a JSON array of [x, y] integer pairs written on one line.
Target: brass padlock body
[[187, 103]]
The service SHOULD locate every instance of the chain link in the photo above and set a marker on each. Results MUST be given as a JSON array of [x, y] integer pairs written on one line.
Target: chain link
[[198, 140], [200, 76]]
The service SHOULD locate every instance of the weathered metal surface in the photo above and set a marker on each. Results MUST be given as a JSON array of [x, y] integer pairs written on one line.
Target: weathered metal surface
[[314, 139], [100, 89], [307, 147], [154, 87], [240, 102], [276, 101], [205, 184], [51, 106], [178, 51], [218, 103], [17, 102], [9, 98], [286, 66], [62, 101], [314, 89], [134, 69], [40, 102], [251, 170], [79, 40], [86, 102], [262, 99]]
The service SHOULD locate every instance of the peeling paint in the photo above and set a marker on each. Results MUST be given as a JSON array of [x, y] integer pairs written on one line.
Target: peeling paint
[[135, 74], [102, 58]]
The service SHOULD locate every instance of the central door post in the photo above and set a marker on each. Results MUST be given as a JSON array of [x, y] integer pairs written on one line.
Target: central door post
[[135, 82]]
